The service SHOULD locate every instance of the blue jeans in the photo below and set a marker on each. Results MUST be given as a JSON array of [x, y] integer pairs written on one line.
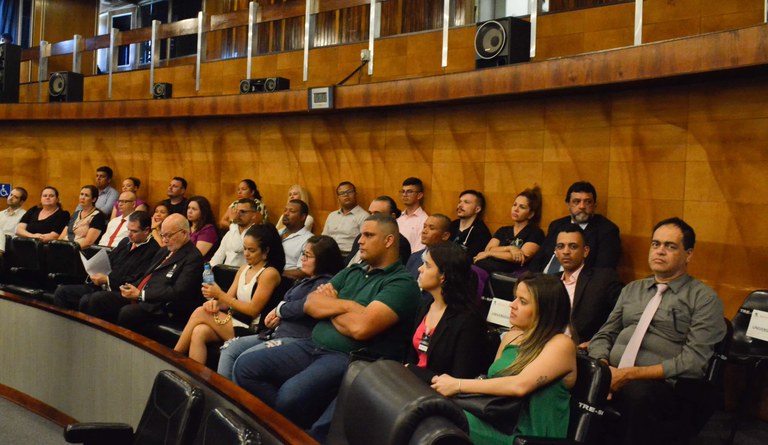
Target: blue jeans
[[242, 345], [299, 380]]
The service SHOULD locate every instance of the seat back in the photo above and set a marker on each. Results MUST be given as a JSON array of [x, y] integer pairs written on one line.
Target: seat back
[[383, 403], [224, 275], [27, 254], [224, 427], [64, 263], [716, 365], [743, 346], [173, 411], [502, 286], [588, 397]]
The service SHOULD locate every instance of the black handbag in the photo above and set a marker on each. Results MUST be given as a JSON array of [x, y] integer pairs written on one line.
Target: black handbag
[[499, 411]]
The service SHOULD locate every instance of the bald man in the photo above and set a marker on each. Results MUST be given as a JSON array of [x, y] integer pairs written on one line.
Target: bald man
[[169, 288], [437, 228]]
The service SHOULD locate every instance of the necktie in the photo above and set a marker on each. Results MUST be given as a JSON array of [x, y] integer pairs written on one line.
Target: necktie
[[114, 234], [146, 279], [630, 353]]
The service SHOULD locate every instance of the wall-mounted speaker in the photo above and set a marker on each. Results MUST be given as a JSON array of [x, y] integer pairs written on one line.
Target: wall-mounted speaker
[[265, 85], [10, 58], [162, 91], [65, 86], [502, 42]]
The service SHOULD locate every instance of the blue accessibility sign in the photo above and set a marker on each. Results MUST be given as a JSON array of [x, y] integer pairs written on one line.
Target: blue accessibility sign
[[5, 190]]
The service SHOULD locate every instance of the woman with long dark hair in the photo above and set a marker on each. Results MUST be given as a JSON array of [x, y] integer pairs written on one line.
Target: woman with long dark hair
[[535, 359], [449, 336], [202, 231], [216, 319], [320, 261], [246, 189], [87, 224]]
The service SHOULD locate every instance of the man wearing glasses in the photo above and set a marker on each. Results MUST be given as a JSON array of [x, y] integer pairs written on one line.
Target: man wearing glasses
[[343, 225], [657, 341], [117, 229], [230, 251], [411, 221], [168, 289]]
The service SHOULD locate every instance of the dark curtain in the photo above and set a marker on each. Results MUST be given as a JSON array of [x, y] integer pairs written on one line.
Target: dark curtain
[[9, 16]]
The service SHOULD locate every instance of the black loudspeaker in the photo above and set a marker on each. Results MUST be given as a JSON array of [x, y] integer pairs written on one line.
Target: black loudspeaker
[[162, 91], [10, 58], [502, 42], [65, 86], [265, 85]]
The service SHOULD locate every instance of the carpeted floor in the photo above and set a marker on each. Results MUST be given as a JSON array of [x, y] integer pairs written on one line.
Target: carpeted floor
[[19, 426]]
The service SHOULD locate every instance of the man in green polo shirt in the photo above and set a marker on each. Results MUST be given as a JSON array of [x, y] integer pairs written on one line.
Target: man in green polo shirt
[[365, 308]]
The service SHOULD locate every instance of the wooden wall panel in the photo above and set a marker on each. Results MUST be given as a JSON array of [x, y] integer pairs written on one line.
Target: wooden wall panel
[[697, 151]]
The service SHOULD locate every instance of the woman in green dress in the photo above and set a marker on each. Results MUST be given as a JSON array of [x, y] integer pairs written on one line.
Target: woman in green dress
[[535, 359]]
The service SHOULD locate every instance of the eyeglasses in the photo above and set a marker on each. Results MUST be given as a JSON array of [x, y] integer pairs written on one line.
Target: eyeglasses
[[169, 235], [345, 193], [124, 201], [306, 256]]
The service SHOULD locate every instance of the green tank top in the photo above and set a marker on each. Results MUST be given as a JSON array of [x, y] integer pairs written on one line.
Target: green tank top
[[546, 415]]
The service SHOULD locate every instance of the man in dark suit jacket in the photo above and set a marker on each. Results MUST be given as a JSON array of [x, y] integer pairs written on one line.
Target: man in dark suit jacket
[[593, 291], [170, 286], [600, 234], [128, 261]]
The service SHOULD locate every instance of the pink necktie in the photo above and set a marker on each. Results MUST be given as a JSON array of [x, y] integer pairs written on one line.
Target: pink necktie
[[630, 353]]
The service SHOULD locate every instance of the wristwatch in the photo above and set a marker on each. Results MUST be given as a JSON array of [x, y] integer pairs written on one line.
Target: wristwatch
[[141, 296]]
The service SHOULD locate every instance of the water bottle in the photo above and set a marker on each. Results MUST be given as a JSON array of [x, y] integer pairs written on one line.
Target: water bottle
[[207, 274]]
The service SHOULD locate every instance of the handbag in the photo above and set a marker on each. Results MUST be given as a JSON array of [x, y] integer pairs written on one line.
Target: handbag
[[499, 411]]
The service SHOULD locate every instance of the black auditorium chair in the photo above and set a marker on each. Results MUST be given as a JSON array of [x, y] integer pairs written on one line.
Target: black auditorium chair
[[27, 271], [502, 286], [4, 261], [588, 404], [223, 427], [64, 266], [383, 403], [171, 417], [749, 352]]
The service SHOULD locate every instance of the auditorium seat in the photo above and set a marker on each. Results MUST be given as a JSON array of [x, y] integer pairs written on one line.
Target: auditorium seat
[[64, 266], [750, 352], [383, 403], [171, 417], [27, 271], [588, 399], [223, 427]]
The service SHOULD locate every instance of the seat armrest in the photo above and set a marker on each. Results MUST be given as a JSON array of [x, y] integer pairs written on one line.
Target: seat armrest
[[99, 433], [531, 440]]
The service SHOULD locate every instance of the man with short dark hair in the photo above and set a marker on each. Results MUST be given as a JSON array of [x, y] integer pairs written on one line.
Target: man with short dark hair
[[343, 225], [411, 221], [128, 259], [366, 307], [294, 237], [600, 233], [658, 341], [10, 217], [593, 290], [436, 230], [469, 230], [230, 251], [107, 194], [384, 205], [177, 202]]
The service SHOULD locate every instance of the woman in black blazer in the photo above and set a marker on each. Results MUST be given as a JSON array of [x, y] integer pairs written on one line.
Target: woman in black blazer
[[450, 334]]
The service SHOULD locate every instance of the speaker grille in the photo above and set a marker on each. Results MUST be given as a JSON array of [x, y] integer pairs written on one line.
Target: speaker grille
[[490, 39], [57, 85]]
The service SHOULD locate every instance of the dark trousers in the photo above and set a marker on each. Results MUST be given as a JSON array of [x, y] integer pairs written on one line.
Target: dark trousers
[[103, 304], [657, 412], [68, 295]]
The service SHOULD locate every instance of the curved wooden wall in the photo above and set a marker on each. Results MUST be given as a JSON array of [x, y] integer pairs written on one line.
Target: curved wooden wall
[[95, 371]]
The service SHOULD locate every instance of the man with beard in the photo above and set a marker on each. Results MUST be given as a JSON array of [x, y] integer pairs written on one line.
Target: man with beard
[[600, 234]]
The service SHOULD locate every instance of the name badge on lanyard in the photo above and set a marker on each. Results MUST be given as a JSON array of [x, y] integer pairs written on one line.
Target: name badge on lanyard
[[424, 342]]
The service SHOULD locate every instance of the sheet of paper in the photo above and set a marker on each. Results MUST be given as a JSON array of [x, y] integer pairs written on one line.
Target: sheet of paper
[[98, 263], [499, 312], [758, 325]]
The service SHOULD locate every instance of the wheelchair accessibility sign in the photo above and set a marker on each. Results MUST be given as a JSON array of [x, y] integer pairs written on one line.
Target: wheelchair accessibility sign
[[5, 190]]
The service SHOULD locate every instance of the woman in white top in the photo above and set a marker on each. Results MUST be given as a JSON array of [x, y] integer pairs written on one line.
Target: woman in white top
[[296, 192], [213, 321]]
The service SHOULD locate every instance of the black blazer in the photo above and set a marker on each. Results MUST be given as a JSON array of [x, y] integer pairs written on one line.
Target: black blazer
[[601, 235], [593, 300], [458, 345], [177, 281], [129, 265]]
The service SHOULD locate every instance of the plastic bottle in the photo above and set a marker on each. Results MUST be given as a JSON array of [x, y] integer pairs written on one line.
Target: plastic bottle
[[207, 274]]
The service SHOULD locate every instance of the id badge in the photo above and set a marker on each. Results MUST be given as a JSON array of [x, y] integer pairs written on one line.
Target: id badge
[[424, 343]]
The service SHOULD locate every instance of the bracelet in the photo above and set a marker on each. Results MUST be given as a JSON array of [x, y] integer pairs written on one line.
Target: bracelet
[[225, 320]]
